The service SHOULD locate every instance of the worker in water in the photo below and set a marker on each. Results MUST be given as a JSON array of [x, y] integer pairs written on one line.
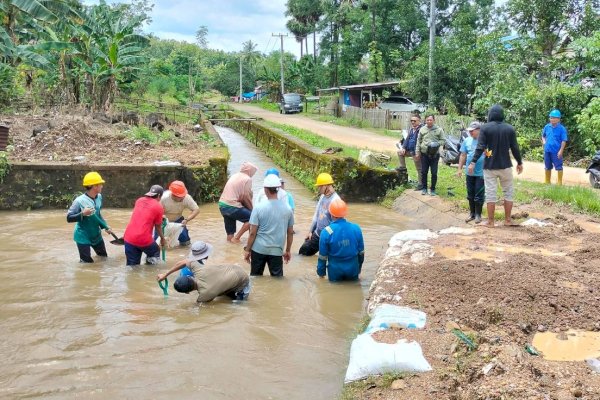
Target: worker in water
[[209, 280], [282, 194], [235, 203], [175, 201], [321, 218], [147, 216], [85, 212], [341, 246]]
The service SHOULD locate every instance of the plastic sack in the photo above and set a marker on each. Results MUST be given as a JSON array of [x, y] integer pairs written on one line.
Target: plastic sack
[[415, 234], [388, 315], [171, 233], [373, 160], [367, 357]]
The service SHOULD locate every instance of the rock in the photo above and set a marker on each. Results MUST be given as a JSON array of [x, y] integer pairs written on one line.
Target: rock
[[487, 368], [39, 130], [541, 328], [102, 118], [526, 328], [79, 158], [130, 118], [398, 384], [197, 128], [60, 139], [576, 392], [481, 301]]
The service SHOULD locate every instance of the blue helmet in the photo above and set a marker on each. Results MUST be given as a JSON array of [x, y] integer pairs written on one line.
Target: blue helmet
[[272, 171], [555, 114]]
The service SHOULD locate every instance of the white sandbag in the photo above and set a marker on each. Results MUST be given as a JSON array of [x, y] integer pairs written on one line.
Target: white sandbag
[[367, 357], [536, 222], [415, 234], [388, 315], [171, 233], [373, 160], [453, 230], [417, 251]]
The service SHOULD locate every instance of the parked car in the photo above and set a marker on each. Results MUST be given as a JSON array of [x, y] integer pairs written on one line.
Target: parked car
[[401, 103], [290, 103]]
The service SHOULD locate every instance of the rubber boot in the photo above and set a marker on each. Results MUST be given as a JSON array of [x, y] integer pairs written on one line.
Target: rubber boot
[[560, 175], [472, 211], [478, 209], [548, 176]]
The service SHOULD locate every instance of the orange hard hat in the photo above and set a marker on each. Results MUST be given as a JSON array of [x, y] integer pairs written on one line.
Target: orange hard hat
[[178, 189], [338, 208]]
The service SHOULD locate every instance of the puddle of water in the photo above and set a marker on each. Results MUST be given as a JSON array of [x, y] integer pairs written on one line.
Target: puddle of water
[[578, 346]]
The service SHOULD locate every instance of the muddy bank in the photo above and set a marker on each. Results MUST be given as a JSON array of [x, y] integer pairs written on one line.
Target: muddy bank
[[499, 286]]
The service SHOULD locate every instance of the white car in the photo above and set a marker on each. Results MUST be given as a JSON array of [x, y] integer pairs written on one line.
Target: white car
[[401, 103]]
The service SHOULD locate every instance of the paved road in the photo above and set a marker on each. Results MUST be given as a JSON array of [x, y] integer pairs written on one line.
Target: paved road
[[532, 171]]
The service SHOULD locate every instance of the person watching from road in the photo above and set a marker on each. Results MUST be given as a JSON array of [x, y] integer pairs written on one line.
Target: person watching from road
[[554, 139], [341, 246], [475, 182], [321, 217], [147, 216], [210, 281], [174, 202], [85, 212], [271, 226], [408, 148], [496, 139], [235, 203], [427, 152]]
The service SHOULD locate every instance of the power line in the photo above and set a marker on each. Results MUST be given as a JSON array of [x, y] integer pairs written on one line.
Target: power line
[[281, 36]]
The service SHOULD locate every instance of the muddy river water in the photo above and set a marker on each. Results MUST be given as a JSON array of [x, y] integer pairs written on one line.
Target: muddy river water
[[105, 331]]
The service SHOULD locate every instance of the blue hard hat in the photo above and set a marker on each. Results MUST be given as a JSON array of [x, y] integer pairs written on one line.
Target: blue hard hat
[[272, 171], [555, 114]]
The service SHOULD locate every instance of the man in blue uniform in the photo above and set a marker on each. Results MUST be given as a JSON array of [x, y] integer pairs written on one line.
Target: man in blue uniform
[[341, 246], [554, 138]]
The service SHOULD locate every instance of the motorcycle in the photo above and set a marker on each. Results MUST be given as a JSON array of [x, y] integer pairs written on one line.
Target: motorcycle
[[451, 153], [594, 171]]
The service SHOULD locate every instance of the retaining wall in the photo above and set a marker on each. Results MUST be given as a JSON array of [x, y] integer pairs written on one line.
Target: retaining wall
[[354, 181]]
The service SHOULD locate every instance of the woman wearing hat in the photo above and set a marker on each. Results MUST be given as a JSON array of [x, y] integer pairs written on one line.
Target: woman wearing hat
[[209, 280]]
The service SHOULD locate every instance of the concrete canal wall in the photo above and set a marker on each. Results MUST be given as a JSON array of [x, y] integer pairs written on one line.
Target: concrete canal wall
[[354, 181]]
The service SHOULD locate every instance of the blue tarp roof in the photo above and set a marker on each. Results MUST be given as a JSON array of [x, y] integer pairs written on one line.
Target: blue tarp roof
[[248, 95]]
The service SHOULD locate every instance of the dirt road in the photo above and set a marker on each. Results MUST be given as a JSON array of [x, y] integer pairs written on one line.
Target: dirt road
[[532, 171]]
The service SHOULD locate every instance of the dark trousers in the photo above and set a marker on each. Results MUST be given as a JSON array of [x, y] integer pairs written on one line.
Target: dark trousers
[[134, 253], [310, 247], [476, 189], [258, 262], [85, 253], [428, 162]]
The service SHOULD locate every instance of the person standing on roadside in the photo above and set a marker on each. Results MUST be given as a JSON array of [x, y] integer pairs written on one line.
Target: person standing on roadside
[[85, 212], [475, 182], [341, 246], [147, 216], [427, 152], [322, 217], [408, 148], [271, 226], [554, 138], [496, 140], [235, 203], [174, 202]]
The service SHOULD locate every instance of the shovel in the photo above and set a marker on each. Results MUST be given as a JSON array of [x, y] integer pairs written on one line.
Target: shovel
[[118, 241]]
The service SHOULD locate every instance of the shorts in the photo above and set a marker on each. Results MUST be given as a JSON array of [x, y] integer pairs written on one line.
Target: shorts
[[491, 177], [550, 159]]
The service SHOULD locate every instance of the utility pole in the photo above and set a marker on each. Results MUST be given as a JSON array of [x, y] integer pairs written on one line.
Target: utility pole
[[431, 47], [240, 99], [281, 36]]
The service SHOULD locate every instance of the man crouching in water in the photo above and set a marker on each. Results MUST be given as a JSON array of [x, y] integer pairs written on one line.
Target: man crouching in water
[[209, 280]]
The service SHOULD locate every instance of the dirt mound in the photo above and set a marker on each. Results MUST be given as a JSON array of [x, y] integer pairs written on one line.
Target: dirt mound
[[83, 139]]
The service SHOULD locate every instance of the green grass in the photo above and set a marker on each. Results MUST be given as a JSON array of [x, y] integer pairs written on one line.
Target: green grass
[[356, 390], [316, 140], [145, 134], [266, 104]]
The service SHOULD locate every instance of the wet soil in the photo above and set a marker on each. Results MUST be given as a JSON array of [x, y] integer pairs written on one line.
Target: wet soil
[[500, 287], [78, 138]]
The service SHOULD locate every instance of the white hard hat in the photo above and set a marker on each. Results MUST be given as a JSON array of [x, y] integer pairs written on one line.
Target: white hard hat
[[272, 181]]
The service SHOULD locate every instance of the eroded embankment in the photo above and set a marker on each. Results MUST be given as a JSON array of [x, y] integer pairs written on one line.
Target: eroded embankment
[[500, 287]]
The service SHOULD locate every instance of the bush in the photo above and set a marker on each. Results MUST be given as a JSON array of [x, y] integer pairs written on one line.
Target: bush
[[589, 126], [8, 90]]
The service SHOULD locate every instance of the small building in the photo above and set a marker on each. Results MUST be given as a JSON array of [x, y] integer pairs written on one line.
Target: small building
[[358, 95]]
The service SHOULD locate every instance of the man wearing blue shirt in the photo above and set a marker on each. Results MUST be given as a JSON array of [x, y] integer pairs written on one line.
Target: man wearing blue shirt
[[554, 138], [475, 181], [341, 246]]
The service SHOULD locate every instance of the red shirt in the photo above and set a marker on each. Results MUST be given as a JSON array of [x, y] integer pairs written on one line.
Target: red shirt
[[147, 212]]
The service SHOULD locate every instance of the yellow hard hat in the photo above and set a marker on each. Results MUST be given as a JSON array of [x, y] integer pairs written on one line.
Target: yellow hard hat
[[92, 178], [324, 179]]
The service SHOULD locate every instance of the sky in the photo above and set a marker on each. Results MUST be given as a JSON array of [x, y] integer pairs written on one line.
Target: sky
[[229, 22]]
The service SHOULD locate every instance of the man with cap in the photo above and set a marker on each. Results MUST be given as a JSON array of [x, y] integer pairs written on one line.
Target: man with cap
[[282, 194], [147, 216], [554, 138], [209, 280], [235, 203], [271, 226], [475, 181], [85, 212], [321, 217], [341, 246], [174, 202]]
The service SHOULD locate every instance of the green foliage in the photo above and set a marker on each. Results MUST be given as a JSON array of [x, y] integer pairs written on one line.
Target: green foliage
[[375, 63], [589, 126], [316, 140], [4, 165], [145, 134], [8, 87]]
